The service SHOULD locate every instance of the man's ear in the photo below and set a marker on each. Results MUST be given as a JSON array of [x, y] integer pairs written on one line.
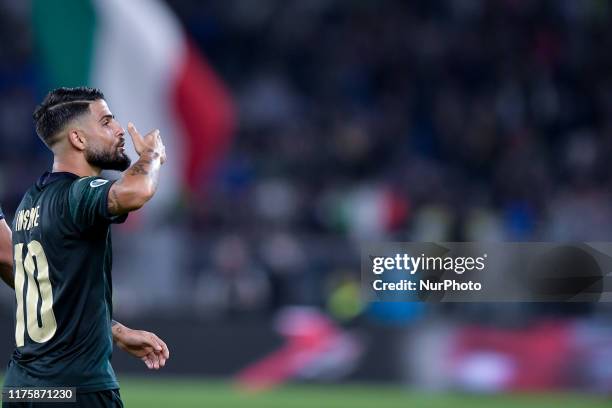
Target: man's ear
[[77, 139]]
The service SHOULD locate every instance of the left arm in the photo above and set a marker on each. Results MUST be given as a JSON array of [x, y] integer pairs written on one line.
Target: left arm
[[142, 344], [6, 254]]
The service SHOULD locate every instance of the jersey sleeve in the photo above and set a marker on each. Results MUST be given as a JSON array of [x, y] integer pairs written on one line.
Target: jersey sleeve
[[88, 201], [1, 213]]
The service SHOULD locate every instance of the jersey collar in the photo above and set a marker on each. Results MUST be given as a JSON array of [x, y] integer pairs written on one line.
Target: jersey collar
[[49, 177]]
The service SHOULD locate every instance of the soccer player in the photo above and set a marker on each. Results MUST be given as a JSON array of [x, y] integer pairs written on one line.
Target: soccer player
[[6, 252], [64, 330]]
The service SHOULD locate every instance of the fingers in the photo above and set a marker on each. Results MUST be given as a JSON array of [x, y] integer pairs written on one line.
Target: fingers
[[154, 341], [136, 138], [151, 140], [155, 350], [153, 136], [147, 362], [160, 143], [160, 350], [164, 348], [152, 361], [155, 360]]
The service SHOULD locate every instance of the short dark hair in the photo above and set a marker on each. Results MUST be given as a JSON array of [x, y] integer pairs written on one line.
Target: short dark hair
[[59, 107]]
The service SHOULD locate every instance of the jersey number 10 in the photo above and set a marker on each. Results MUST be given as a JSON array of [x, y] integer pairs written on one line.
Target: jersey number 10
[[39, 287]]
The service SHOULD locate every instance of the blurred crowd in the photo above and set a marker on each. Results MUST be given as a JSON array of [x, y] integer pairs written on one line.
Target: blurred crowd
[[456, 120]]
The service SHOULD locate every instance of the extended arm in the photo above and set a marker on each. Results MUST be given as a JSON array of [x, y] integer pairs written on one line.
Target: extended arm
[[6, 254], [142, 344], [138, 183]]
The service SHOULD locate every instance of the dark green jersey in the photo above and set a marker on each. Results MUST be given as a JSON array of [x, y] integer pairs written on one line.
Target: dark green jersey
[[62, 243]]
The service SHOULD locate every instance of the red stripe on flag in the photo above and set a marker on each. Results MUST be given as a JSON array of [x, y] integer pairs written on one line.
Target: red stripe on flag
[[206, 113]]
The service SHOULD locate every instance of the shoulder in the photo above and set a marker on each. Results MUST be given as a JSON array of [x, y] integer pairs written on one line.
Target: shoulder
[[93, 182], [89, 185], [89, 182], [88, 201], [88, 191]]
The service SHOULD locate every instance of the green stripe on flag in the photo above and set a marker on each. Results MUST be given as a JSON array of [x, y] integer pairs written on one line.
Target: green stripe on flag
[[64, 34]]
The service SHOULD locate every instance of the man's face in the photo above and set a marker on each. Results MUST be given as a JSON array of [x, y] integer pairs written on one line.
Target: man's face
[[105, 138]]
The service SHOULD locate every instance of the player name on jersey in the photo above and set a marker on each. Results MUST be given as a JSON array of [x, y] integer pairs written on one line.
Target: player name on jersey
[[27, 219]]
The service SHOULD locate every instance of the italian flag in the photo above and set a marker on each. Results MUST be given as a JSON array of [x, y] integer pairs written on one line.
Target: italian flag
[[137, 53]]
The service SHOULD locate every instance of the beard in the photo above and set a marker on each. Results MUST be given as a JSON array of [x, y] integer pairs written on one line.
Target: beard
[[113, 160]]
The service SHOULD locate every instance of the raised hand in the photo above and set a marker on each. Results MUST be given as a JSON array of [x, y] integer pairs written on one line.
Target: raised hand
[[151, 142]]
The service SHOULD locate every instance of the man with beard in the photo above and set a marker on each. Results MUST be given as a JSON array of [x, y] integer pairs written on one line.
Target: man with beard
[[64, 330]]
